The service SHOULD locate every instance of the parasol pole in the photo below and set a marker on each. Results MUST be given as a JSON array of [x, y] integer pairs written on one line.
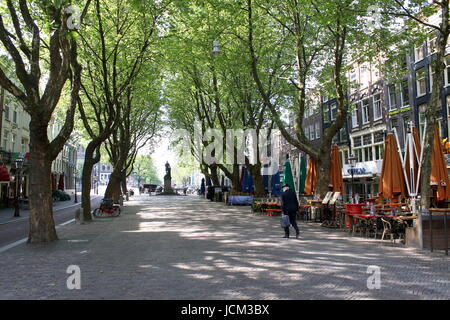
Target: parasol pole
[[401, 159]]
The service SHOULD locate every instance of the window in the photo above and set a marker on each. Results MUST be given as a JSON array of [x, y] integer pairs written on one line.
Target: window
[[15, 116], [343, 134], [367, 139], [377, 110], [405, 94], [311, 132], [394, 124], [421, 82], [419, 53], [365, 111], [392, 97], [333, 111], [378, 137], [13, 142], [359, 155], [353, 82], [447, 71], [355, 116], [379, 152], [5, 139], [307, 132], [24, 145], [406, 122], [365, 77], [447, 98], [357, 142], [431, 46], [345, 157], [368, 154], [317, 130], [6, 113], [326, 115]]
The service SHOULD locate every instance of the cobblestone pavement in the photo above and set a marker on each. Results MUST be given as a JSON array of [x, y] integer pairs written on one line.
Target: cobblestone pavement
[[190, 248]]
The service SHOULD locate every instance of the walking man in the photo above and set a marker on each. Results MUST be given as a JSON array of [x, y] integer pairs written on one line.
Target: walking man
[[290, 207]]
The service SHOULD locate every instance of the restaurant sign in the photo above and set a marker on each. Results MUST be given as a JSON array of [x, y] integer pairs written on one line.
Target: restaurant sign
[[367, 168]]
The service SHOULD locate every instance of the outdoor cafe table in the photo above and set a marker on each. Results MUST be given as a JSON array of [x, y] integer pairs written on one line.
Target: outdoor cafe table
[[352, 208], [273, 207]]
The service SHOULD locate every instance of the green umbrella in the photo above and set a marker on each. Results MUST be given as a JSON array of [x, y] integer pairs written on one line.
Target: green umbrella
[[287, 176], [302, 174]]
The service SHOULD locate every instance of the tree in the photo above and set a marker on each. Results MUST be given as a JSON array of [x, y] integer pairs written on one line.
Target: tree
[[115, 28], [43, 48], [318, 32], [417, 14], [145, 170]]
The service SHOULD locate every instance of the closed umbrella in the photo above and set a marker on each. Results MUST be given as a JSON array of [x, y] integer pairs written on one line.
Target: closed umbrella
[[288, 178], [311, 177], [392, 180], [61, 182], [336, 179], [439, 173], [302, 175], [276, 185], [202, 186], [247, 182]]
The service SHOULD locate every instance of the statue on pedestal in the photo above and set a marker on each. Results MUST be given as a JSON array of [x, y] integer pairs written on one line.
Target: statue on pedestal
[[168, 180], [168, 170]]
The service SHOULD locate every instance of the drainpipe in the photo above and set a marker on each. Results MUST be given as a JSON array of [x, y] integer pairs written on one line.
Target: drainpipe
[[2, 102]]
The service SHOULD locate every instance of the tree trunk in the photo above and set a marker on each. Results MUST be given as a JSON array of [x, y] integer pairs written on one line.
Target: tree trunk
[[214, 175], [89, 163], [113, 188], [323, 170], [42, 225], [255, 171], [124, 187]]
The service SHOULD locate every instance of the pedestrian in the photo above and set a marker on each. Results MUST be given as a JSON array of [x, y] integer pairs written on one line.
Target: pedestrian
[[290, 207]]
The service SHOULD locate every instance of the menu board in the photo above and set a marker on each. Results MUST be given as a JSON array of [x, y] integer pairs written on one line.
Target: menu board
[[334, 198], [327, 197]]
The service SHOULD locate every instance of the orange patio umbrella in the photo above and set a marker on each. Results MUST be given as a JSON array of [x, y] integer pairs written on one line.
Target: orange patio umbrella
[[392, 181], [336, 179], [439, 173], [311, 177]]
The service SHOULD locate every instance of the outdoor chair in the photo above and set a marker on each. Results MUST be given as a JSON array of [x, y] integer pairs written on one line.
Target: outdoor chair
[[387, 230]]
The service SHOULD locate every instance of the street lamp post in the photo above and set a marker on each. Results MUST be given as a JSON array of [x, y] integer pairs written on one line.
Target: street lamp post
[[352, 161], [75, 173], [18, 163]]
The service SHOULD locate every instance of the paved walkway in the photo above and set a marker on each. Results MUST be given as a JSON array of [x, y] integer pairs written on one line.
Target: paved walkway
[[190, 248], [7, 214]]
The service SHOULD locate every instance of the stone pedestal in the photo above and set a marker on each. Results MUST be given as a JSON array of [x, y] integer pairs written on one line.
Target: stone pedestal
[[168, 186]]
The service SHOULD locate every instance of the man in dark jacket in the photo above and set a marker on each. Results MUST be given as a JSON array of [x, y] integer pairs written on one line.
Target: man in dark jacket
[[290, 207]]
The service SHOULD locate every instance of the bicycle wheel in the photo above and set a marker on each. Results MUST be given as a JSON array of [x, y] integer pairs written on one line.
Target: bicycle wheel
[[100, 214], [95, 213]]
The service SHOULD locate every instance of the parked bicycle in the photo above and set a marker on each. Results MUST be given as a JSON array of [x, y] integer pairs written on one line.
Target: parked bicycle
[[107, 209]]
